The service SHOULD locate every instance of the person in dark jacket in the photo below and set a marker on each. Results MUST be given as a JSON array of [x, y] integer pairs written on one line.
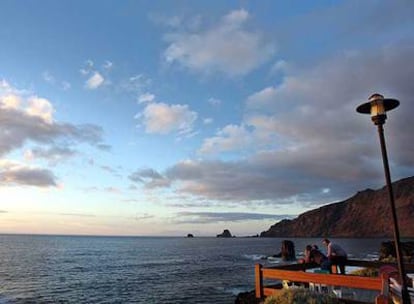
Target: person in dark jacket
[[314, 255]]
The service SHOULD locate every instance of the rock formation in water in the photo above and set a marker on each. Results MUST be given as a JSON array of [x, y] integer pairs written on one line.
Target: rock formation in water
[[287, 251], [226, 234], [387, 251]]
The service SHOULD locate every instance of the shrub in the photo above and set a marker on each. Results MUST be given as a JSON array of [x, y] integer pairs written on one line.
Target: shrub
[[366, 272], [301, 296]]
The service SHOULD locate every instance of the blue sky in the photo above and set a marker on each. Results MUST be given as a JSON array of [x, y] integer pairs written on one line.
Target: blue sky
[[176, 117]]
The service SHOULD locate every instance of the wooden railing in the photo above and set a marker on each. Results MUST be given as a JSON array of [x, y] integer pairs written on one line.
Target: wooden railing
[[297, 273]]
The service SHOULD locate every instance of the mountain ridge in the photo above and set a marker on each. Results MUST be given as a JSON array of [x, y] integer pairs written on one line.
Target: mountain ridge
[[364, 215]]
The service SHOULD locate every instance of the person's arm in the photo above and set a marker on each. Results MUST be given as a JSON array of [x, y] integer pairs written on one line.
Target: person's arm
[[307, 257], [329, 253]]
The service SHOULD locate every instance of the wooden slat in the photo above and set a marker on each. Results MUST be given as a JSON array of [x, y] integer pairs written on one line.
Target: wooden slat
[[259, 280], [296, 273], [329, 279]]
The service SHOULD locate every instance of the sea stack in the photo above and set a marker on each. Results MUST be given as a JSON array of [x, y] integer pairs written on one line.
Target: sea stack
[[226, 234]]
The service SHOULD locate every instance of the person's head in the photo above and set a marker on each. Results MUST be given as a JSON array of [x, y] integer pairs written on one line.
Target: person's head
[[314, 246], [326, 242], [308, 248]]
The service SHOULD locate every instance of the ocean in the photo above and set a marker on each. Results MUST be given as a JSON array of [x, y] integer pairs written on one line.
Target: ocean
[[90, 269]]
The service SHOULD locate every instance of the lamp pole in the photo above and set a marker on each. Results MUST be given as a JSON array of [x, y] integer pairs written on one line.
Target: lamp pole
[[377, 106]]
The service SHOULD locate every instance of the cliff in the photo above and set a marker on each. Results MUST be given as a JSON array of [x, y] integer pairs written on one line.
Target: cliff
[[366, 214]]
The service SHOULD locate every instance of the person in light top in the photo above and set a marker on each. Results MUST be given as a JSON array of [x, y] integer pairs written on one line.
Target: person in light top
[[336, 255]]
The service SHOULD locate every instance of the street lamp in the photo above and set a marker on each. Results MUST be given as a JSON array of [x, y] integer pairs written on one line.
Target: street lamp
[[377, 106]]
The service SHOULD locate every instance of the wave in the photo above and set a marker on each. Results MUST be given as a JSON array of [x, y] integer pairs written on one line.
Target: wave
[[254, 257]]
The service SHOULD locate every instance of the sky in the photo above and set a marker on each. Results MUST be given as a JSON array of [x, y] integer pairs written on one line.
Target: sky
[[163, 118]]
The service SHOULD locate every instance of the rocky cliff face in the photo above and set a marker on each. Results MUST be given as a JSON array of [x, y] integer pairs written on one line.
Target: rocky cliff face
[[367, 214]]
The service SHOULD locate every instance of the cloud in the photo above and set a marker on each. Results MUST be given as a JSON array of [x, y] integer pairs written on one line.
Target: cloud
[[227, 47], [231, 137], [107, 65], [262, 98], [51, 79], [94, 81], [262, 180], [10, 101], [208, 121], [109, 169], [279, 66], [146, 97], [40, 107], [135, 84], [96, 77], [169, 21], [28, 120], [304, 135], [12, 173], [112, 190], [143, 217], [214, 101], [219, 217], [161, 118], [53, 154], [20, 128], [66, 85], [48, 77], [150, 178], [77, 214]]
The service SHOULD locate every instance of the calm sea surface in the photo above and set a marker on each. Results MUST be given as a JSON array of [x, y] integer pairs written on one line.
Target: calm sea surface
[[73, 269]]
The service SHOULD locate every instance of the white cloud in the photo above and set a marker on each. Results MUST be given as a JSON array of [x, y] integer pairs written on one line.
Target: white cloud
[[263, 97], [52, 80], [227, 48], [40, 107], [214, 101], [208, 121], [162, 118], [10, 101], [94, 81], [88, 68], [136, 83], [30, 119], [107, 65], [279, 66], [48, 77], [231, 137], [146, 97], [66, 85]]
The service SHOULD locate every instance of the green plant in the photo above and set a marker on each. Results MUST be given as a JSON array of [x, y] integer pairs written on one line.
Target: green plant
[[301, 296], [366, 272]]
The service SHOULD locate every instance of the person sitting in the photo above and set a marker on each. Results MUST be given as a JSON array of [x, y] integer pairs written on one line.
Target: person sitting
[[336, 255], [314, 255]]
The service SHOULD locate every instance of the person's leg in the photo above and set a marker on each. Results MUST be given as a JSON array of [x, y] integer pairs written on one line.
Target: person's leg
[[326, 265], [341, 264]]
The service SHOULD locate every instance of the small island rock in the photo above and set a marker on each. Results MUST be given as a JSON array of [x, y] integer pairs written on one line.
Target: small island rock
[[226, 234]]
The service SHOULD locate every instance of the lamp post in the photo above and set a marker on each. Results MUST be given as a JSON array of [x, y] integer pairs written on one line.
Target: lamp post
[[377, 106]]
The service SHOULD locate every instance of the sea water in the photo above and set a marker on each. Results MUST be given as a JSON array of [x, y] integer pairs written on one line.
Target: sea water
[[89, 269]]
